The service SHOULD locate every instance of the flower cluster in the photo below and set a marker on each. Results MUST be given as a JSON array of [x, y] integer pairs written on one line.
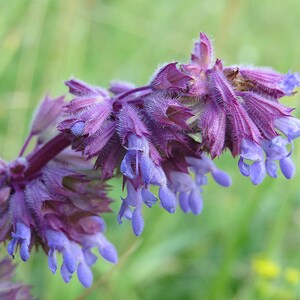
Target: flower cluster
[[162, 136], [54, 204]]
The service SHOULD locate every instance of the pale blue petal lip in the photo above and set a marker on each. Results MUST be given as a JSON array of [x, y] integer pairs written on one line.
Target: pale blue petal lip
[[195, 202], [126, 168], [221, 178], [271, 168], [89, 257], [24, 251], [251, 150], [183, 202], [257, 172], [52, 262], [11, 247], [148, 198], [21, 237], [85, 275], [137, 222], [108, 252], [65, 274], [124, 212], [244, 168], [69, 260], [168, 199], [147, 168], [287, 167]]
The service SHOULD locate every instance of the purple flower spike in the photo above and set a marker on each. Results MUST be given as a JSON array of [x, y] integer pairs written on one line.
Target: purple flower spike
[[153, 135], [20, 238], [287, 167], [234, 104]]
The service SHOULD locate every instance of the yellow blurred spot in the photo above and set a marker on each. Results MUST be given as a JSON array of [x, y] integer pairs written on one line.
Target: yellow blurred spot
[[11, 41], [265, 268], [292, 275]]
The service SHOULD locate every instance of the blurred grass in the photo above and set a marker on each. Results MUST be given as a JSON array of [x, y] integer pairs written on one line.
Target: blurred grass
[[44, 42]]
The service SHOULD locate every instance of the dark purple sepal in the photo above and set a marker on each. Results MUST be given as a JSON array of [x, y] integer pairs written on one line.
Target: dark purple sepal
[[203, 52], [170, 78], [46, 114], [130, 123], [97, 141], [263, 112], [263, 80], [167, 111], [212, 125], [80, 88], [239, 125], [119, 87]]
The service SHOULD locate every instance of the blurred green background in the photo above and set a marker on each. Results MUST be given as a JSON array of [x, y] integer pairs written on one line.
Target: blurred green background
[[246, 243]]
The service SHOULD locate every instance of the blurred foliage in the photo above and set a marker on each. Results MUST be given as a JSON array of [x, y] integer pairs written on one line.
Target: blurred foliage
[[44, 42]]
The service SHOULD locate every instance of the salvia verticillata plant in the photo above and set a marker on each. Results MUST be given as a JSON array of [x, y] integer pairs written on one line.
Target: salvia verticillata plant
[[164, 134]]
